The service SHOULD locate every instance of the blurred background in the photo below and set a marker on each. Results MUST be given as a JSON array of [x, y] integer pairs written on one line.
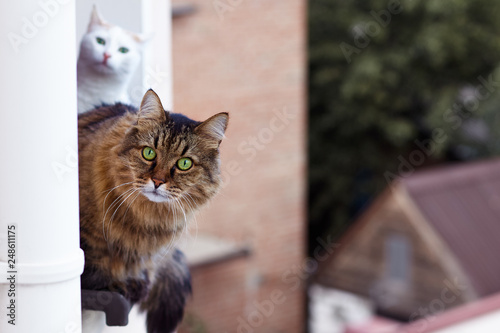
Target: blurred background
[[403, 132], [247, 58], [361, 190]]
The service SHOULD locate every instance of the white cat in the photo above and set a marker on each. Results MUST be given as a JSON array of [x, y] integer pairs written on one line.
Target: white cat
[[108, 58]]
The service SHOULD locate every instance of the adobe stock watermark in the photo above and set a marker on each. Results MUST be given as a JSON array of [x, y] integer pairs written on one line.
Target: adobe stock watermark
[[292, 279], [365, 31], [455, 117], [69, 165], [30, 26], [222, 7], [98, 302], [420, 319], [71, 327], [252, 145]]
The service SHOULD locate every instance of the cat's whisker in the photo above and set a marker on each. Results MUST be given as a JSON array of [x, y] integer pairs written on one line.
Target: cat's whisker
[[109, 192], [171, 244], [184, 227], [116, 210], [131, 202], [191, 204], [116, 187], [174, 236], [181, 209], [186, 206], [166, 249], [115, 202], [133, 190]]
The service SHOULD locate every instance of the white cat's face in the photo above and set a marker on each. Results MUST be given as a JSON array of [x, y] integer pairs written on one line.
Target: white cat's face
[[110, 50]]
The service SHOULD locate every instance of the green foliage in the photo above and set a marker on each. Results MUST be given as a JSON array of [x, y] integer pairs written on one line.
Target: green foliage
[[378, 81]]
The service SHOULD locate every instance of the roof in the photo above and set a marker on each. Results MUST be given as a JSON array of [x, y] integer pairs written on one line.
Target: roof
[[455, 317], [375, 325], [475, 311], [207, 249], [462, 203]]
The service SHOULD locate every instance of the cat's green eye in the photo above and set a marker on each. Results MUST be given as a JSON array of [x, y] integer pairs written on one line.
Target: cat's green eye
[[148, 153], [123, 50], [185, 163], [100, 41]]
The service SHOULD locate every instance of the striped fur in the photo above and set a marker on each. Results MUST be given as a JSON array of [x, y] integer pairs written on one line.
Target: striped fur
[[128, 239]]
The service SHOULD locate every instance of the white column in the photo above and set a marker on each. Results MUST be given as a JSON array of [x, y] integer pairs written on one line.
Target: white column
[[38, 167], [157, 22]]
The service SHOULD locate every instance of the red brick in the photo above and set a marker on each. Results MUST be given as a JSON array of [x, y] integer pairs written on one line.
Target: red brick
[[252, 64]]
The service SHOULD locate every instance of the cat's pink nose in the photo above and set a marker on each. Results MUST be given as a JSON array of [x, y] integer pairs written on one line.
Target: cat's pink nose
[[106, 57], [158, 182]]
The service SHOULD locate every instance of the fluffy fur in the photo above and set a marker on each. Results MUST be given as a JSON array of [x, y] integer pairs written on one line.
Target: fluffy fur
[[108, 58], [132, 208]]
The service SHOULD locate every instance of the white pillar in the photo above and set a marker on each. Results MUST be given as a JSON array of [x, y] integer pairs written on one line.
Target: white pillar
[[38, 166], [157, 22]]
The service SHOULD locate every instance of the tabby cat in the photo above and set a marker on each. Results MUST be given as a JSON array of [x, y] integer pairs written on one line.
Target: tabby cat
[[143, 173], [107, 61]]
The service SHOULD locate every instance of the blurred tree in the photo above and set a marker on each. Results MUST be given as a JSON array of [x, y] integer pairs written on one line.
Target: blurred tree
[[393, 86]]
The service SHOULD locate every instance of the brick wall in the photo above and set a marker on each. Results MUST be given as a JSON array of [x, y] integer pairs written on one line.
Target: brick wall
[[247, 57]]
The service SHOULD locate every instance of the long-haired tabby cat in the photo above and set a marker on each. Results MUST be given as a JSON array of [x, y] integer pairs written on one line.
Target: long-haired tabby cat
[[108, 58], [143, 173]]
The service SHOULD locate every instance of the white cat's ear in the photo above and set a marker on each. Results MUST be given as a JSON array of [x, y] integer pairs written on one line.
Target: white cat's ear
[[151, 108], [143, 38], [214, 127], [96, 19]]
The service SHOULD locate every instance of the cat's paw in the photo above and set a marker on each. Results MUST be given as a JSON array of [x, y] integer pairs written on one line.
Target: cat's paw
[[137, 289], [134, 289], [118, 287]]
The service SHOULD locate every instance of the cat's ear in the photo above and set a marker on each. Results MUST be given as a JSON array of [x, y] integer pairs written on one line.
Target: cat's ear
[[96, 19], [213, 128], [143, 38], [151, 109]]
